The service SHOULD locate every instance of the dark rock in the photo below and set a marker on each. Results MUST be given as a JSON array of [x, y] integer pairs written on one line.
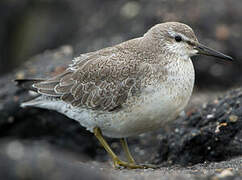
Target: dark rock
[[213, 133]]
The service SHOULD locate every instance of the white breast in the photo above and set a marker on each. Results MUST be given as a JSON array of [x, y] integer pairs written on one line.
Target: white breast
[[158, 105]]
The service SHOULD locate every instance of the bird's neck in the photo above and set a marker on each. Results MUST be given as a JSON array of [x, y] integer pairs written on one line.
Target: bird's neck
[[149, 45]]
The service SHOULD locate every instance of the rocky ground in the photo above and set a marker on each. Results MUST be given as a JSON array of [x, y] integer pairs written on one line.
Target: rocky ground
[[204, 143]]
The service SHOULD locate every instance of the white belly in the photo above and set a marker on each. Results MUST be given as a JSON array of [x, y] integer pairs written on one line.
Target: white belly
[[150, 113]]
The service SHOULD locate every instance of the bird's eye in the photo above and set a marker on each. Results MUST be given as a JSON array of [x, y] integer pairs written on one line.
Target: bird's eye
[[178, 38]]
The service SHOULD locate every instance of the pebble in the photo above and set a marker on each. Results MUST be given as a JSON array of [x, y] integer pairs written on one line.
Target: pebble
[[210, 116], [216, 101], [233, 118], [225, 173], [204, 105], [20, 75], [10, 119], [217, 130], [15, 150]]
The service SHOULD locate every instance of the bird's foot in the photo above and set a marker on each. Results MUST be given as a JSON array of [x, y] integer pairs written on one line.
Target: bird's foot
[[119, 163]]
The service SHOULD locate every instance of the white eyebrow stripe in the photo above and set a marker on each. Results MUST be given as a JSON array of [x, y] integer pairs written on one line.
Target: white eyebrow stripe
[[173, 34]]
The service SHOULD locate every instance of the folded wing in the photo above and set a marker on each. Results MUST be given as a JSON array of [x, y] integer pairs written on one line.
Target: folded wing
[[101, 80]]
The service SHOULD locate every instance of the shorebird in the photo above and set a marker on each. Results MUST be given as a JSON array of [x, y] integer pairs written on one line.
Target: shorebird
[[128, 89]]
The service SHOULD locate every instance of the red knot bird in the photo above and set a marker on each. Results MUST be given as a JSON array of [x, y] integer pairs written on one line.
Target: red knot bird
[[128, 89]]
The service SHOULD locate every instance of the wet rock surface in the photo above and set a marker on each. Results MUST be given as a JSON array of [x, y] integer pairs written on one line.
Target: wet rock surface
[[206, 143]]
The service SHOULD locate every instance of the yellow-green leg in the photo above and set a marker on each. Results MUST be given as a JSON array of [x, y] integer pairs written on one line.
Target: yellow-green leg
[[126, 150], [116, 161]]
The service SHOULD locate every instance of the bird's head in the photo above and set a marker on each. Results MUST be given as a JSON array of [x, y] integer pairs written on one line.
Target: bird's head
[[178, 39]]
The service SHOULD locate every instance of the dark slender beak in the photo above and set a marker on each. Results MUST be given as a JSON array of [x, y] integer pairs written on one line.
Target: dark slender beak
[[210, 52]]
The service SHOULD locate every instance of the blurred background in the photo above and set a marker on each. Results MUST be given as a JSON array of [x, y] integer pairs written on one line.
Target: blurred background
[[34, 142], [29, 27]]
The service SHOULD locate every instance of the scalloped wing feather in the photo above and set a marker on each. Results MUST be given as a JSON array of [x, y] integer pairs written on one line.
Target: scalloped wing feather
[[100, 80]]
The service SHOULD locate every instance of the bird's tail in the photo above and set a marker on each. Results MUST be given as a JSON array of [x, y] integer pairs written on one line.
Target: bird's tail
[[34, 102], [27, 83]]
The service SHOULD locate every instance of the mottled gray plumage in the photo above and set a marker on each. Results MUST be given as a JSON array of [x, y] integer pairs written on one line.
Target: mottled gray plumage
[[130, 88], [103, 80]]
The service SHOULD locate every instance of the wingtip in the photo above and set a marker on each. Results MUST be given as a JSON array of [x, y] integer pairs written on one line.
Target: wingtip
[[17, 82], [26, 83]]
